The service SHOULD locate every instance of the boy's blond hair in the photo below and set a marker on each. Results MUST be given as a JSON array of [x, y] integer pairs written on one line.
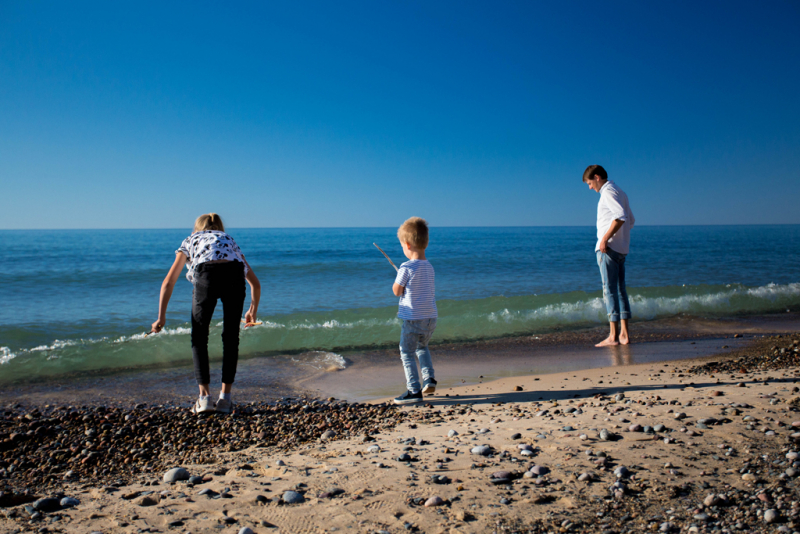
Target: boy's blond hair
[[209, 221], [414, 231]]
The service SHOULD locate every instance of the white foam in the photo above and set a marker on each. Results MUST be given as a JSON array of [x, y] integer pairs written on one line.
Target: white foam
[[649, 307], [57, 344], [6, 355], [321, 359]]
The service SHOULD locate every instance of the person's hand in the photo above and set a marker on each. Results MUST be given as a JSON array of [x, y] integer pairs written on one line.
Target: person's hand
[[603, 247], [249, 318], [157, 326]]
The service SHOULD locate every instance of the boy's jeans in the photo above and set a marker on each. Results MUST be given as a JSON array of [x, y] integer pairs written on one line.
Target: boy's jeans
[[414, 340], [612, 270]]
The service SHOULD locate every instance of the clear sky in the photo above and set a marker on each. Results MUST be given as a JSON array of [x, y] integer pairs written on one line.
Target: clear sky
[[290, 114]]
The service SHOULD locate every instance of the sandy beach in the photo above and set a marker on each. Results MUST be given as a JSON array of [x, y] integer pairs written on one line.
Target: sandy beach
[[678, 446]]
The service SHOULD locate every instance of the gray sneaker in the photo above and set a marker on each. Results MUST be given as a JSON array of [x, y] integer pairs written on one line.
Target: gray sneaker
[[224, 406], [203, 406]]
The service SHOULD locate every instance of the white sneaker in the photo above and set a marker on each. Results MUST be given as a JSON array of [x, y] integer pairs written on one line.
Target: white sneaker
[[203, 405], [224, 406]]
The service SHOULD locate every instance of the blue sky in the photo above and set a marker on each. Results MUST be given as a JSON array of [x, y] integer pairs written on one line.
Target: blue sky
[[292, 114]]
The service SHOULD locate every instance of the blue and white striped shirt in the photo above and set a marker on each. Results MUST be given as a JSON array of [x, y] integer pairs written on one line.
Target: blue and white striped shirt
[[419, 299]]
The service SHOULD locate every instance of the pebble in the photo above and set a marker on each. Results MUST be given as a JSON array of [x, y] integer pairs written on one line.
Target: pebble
[[770, 516], [374, 448], [147, 500], [516, 436], [483, 450], [585, 477], [605, 435], [539, 470], [47, 504], [69, 502], [622, 472], [280, 463], [452, 433], [749, 477], [246, 530], [175, 474], [328, 434], [434, 501], [659, 428], [635, 428], [292, 497]]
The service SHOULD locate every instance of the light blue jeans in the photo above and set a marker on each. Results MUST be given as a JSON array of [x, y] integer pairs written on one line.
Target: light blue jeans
[[612, 271], [414, 340]]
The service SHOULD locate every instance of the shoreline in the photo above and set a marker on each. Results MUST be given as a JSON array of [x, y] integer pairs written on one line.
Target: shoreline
[[377, 373], [691, 446]]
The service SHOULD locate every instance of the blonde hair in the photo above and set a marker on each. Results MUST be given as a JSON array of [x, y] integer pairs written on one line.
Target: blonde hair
[[209, 221], [414, 231]]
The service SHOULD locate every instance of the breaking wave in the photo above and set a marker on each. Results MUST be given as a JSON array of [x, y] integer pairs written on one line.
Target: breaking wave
[[316, 338]]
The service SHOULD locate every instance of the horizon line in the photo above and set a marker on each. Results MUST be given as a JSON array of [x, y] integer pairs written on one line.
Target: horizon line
[[377, 227]]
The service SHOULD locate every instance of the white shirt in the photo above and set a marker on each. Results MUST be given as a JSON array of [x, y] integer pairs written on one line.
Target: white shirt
[[419, 298], [209, 245], [614, 205]]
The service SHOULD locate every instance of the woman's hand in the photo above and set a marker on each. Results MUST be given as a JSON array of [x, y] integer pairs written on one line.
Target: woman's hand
[[157, 326]]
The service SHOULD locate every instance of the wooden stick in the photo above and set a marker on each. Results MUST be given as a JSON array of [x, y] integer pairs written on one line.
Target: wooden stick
[[387, 257], [246, 324]]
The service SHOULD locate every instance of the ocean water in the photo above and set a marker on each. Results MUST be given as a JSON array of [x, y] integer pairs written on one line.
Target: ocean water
[[80, 301]]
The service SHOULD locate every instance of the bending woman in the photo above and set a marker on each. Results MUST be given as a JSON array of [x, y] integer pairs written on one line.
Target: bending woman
[[218, 270]]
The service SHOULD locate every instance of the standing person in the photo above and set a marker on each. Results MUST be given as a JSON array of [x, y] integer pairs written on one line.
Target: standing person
[[218, 270], [415, 287], [614, 223]]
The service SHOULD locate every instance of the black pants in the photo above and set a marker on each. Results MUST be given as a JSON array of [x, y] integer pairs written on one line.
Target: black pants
[[212, 281]]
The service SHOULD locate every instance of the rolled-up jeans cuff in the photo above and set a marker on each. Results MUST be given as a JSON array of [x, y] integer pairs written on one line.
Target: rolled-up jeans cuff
[[624, 316], [613, 318]]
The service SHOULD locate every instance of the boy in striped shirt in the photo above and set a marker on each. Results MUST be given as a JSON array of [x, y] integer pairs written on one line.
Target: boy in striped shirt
[[415, 287]]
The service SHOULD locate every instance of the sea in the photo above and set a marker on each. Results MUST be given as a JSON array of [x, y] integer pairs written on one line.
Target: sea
[[81, 301]]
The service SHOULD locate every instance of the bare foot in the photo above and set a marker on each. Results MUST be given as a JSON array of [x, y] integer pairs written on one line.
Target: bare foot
[[623, 339], [608, 342]]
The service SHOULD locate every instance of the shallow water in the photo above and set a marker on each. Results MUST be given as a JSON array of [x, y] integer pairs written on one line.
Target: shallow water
[[78, 301]]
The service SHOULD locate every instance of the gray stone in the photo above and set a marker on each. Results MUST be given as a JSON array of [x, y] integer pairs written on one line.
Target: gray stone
[[292, 497], [452, 433], [483, 450], [328, 434], [605, 435], [374, 448], [701, 517], [175, 474], [246, 530], [539, 470], [619, 397], [622, 472], [659, 428], [69, 502], [47, 504], [791, 472]]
